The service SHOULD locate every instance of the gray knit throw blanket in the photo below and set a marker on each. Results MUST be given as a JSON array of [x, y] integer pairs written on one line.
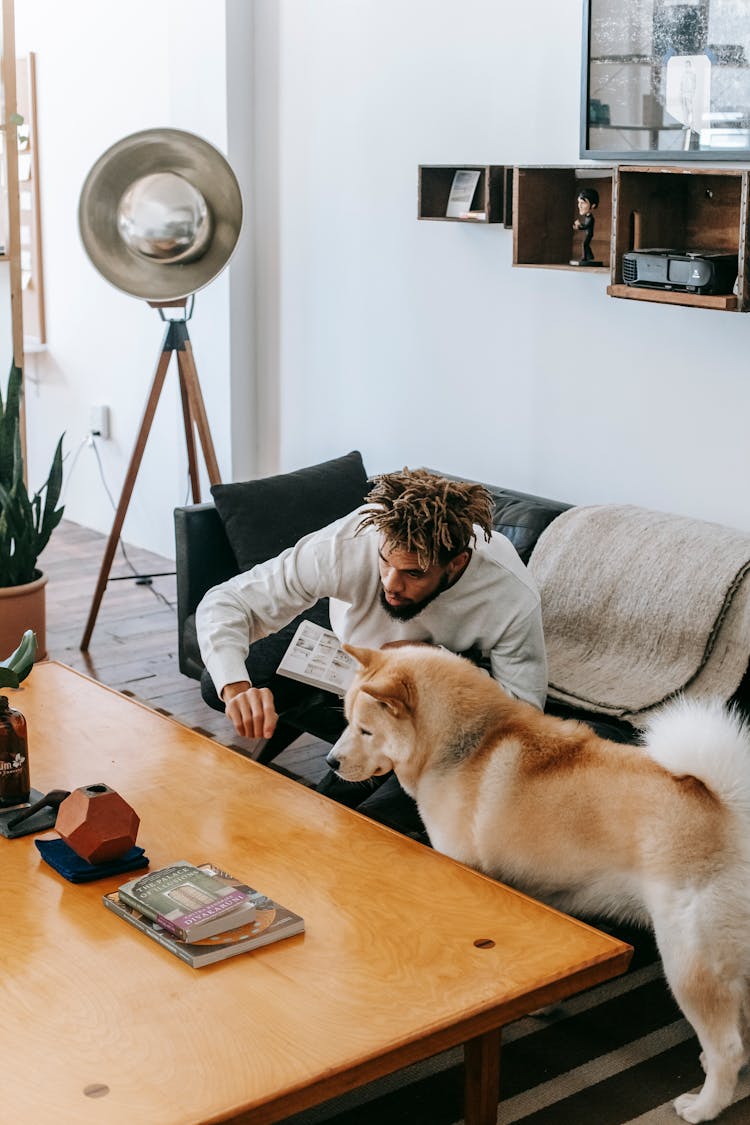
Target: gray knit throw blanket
[[638, 605]]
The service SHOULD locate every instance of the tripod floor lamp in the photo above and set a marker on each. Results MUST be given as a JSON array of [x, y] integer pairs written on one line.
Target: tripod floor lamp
[[160, 213]]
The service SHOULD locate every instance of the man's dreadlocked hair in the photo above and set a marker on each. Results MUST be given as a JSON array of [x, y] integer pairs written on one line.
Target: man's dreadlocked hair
[[427, 515]]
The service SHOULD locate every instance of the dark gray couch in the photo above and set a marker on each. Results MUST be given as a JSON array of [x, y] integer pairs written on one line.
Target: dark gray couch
[[205, 557]]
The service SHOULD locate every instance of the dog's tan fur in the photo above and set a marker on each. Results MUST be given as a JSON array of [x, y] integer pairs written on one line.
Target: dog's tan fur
[[591, 826]]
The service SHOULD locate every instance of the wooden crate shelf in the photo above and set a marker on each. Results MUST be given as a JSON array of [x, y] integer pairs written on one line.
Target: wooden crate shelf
[[436, 180], [686, 209], [728, 303], [508, 198], [682, 209], [544, 210]]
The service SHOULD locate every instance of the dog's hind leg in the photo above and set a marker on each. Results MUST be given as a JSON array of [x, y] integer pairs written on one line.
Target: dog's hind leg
[[745, 1022], [712, 1002]]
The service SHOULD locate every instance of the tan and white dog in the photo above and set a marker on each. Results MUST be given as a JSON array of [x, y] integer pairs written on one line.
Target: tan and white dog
[[658, 833]]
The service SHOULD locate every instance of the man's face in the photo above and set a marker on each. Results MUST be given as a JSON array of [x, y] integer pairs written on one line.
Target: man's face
[[584, 206], [408, 587]]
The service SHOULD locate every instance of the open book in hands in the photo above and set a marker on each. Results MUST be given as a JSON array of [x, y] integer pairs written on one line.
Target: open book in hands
[[316, 657]]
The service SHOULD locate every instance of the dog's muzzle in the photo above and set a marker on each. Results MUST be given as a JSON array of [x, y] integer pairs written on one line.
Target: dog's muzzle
[[332, 760]]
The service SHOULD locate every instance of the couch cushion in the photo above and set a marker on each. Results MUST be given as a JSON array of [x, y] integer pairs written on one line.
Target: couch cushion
[[522, 519], [519, 516], [263, 517]]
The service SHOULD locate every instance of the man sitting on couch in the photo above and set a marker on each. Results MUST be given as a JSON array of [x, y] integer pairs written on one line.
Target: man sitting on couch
[[419, 561]]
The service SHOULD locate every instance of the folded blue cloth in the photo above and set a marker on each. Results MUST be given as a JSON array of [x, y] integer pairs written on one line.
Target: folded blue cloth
[[61, 856]]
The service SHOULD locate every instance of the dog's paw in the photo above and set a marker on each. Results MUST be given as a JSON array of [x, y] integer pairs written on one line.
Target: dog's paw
[[689, 1108]]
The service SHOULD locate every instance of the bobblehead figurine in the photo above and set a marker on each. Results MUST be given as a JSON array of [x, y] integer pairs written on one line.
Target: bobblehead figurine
[[588, 201]]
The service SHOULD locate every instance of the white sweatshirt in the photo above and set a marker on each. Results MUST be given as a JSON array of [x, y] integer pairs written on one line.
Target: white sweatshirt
[[494, 606]]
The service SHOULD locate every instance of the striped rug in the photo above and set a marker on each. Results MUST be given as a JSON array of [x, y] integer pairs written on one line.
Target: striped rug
[[615, 1055]]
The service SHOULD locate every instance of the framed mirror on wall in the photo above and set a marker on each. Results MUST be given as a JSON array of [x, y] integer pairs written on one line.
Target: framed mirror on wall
[[666, 79]]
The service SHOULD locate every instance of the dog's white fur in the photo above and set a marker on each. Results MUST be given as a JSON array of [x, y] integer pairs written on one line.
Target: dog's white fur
[[658, 833]]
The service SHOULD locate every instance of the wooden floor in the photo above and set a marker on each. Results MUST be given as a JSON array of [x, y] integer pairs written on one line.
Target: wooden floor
[[134, 644]]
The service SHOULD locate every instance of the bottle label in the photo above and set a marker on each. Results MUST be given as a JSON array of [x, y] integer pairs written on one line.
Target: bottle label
[[15, 765], [14, 756]]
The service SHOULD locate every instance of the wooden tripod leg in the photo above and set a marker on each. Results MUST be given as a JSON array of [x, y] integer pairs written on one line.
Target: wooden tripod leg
[[189, 373], [195, 486], [127, 488]]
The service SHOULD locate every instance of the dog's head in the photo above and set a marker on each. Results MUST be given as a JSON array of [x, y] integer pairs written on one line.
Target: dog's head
[[379, 707]]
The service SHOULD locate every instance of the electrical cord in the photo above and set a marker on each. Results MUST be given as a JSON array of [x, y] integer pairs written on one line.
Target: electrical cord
[[145, 580]]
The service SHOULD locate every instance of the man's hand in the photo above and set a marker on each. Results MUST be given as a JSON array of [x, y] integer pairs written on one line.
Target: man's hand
[[251, 710]]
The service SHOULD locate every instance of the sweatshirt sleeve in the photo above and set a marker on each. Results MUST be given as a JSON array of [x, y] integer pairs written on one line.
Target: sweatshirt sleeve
[[518, 661], [261, 601]]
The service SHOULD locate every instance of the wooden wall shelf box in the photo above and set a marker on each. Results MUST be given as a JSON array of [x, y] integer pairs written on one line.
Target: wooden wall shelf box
[[544, 207], [681, 208], [508, 199], [684, 208], [436, 180]]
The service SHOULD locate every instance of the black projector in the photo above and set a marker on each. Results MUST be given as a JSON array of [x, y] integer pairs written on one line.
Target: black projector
[[699, 271]]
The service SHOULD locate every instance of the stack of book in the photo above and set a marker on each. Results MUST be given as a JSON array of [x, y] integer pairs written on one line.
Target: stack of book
[[200, 913]]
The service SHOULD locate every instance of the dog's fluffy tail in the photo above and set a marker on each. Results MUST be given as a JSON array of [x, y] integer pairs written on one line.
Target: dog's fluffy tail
[[707, 739]]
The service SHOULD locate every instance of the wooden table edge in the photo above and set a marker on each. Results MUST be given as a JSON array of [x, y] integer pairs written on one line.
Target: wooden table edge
[[479, 1035]]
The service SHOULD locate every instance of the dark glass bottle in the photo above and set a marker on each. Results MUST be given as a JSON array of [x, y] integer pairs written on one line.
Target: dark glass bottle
[[15, 785]]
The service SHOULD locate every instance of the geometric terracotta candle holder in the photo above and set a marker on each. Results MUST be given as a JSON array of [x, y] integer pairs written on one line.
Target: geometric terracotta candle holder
[[97, 823]]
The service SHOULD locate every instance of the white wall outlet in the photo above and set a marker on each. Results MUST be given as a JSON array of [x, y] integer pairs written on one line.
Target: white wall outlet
[[99, 421]]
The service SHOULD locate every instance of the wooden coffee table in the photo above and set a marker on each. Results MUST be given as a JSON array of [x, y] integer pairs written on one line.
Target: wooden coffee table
[[406, 953]]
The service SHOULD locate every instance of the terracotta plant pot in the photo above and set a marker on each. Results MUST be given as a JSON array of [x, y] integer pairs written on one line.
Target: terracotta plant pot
[[97, 823], [22, 608]]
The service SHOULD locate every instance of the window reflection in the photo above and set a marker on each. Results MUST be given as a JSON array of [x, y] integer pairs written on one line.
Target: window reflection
[[668, 77]]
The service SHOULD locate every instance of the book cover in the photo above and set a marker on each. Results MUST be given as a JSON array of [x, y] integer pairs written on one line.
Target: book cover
[[271, 923], [315, 657], [190, 902]]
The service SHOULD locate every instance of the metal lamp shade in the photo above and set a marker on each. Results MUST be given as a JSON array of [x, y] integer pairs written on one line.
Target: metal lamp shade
[[160, 213]]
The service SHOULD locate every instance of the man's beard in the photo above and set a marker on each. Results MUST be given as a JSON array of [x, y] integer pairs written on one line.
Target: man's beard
[[413, 609]]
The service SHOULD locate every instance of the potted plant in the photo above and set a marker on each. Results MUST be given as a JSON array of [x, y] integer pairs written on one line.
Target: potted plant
[[25, 527]]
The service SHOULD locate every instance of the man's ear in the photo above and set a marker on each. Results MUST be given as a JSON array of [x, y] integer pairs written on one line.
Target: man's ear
[[456, 565], [393, 693]]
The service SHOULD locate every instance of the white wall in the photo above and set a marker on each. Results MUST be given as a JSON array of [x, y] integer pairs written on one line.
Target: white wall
[[418, 342], [346, 322], [106, 70]]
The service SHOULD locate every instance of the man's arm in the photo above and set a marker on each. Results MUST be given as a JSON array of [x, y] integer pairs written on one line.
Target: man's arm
[[229, 619], [519, 660], [252, 605], [226, 626]]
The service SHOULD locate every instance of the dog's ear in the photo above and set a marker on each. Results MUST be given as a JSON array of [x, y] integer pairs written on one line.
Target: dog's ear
[[364, 656], [392, 693]]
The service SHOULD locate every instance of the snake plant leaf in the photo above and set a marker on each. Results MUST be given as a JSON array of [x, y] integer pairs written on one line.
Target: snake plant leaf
[[25, 523], [52, 489], [8, 678], [9, 425]]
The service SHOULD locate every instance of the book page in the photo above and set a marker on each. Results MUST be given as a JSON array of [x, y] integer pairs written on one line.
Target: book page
[[315, 657], [462, 193]]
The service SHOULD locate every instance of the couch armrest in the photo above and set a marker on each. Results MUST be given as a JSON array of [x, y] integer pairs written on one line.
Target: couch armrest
[[203, 558]]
